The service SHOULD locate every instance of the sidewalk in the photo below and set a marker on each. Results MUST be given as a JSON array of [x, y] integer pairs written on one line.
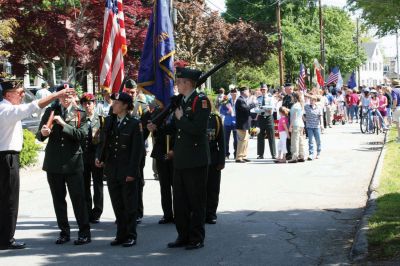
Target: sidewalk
[[269, 214]]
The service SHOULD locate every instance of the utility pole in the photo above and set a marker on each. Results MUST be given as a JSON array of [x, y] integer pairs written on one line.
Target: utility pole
[[321, 39], [280, 52], [358, 51]]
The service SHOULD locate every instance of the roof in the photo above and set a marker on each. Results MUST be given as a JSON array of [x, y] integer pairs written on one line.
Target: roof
[[369, 48]]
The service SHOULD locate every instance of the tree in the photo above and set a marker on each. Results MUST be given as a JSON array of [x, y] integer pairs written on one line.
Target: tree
[[300, 27], [204, 38], [383, 15], [67, 30], [245, 75], [6, 29]]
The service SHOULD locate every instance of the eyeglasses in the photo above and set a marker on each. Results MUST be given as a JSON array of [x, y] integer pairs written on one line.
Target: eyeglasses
[[19, 92]]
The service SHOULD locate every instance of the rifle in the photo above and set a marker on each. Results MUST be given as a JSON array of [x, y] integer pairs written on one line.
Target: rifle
[[176, 99]]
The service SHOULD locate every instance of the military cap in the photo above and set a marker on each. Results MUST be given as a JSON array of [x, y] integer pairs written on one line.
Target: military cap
[[130, 84], [263, 85], [6, 85], [288, 84], [87, 97], [124, 98], [188, 73]]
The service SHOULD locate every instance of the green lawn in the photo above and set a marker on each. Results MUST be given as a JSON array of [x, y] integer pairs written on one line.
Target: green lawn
[[384, 233]]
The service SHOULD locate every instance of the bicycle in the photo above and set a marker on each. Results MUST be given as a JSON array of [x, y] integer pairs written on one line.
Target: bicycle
[[375, 121], [365, 121]]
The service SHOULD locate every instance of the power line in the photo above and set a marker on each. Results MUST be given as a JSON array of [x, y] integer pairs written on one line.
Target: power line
[[222, 10]]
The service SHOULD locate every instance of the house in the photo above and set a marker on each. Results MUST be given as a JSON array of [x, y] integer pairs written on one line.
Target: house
[[390, 68], [371, 73]]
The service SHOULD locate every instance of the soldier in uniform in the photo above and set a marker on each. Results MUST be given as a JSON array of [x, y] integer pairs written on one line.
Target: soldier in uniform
[[191, 160], [288, 103], [120, 152], [265, 122], [163, 141], [64, 125], [216, 141], [89, 145]]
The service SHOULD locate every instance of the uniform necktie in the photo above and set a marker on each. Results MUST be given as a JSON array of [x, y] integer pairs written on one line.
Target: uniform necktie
[[263, 101]]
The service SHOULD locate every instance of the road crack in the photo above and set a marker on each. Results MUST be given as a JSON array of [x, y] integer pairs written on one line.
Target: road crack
[[290, 241]]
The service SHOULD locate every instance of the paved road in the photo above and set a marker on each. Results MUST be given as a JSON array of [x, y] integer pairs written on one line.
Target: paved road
[[301, 214]]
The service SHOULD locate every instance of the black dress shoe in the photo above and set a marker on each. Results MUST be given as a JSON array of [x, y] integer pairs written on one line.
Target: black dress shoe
[[14, 245], [129, 243], [95, 220], [177, 244], [196, 245], [240, 161], [166, 221], [301, 160], [139, 220], [82, 240], [260, 157], [246, 160], [117, 242], [62, 240], [211, 221]]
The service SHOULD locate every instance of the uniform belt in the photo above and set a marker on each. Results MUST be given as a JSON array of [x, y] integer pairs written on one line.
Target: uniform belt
[[8, 152]]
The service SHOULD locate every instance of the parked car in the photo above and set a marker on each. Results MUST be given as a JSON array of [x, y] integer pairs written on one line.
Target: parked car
[[33, 89], [31, 123]]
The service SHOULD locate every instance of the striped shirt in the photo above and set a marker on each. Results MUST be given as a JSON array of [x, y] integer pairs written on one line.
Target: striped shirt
[[313, 114]]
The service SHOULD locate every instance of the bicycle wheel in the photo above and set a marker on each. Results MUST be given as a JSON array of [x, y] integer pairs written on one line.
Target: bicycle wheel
[[364, 125]]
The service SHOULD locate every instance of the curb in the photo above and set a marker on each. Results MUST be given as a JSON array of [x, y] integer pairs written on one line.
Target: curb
[[359, 249]]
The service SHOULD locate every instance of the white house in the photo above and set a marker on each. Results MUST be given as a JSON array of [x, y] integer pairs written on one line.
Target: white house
[[371, 73]]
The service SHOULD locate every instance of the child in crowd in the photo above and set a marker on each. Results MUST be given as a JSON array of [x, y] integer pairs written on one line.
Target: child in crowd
[[283, 134]]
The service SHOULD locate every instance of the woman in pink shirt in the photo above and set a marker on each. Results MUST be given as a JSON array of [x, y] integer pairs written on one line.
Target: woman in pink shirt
[[382, 103], [375, 105]]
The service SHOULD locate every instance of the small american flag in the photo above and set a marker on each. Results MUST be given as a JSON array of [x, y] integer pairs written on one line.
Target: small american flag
[[113, 47], [302, 78], [333, 76]]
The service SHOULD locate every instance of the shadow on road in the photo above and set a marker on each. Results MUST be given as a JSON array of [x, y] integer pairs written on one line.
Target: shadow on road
[[248, 237]]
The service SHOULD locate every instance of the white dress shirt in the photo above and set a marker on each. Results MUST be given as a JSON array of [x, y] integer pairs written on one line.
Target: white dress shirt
[[11, 136]]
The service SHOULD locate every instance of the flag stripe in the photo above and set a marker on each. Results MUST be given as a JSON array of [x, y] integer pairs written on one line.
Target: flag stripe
[[113, 47]]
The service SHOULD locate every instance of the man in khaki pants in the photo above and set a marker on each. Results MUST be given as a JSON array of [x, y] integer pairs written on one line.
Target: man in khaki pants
[[242, 109]]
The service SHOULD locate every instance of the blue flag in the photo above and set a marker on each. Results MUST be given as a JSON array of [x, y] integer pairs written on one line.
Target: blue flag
[[156, 71], [352, 81]]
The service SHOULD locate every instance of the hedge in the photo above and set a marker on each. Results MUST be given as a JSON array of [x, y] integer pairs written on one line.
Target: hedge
[[30, 150]]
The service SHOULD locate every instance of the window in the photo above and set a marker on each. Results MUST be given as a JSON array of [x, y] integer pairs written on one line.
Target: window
[[369, 66]]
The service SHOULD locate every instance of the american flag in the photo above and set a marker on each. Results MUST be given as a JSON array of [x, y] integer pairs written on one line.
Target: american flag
[[113, 47], [302, 78], [333, 76]]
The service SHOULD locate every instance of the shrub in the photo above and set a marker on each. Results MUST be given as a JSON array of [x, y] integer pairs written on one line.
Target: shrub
[[30, 149]]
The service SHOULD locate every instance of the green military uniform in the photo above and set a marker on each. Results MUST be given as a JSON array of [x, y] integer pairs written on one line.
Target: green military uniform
[[63, 163], [89, 146], [217, 150], [191, 160], [124, 151], [165, 133], [141, 112]]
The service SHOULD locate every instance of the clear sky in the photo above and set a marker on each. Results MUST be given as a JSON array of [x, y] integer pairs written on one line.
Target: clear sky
[[388, 44]]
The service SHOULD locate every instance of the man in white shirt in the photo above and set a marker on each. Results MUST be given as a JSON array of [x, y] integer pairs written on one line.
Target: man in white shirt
[[12, 111]]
